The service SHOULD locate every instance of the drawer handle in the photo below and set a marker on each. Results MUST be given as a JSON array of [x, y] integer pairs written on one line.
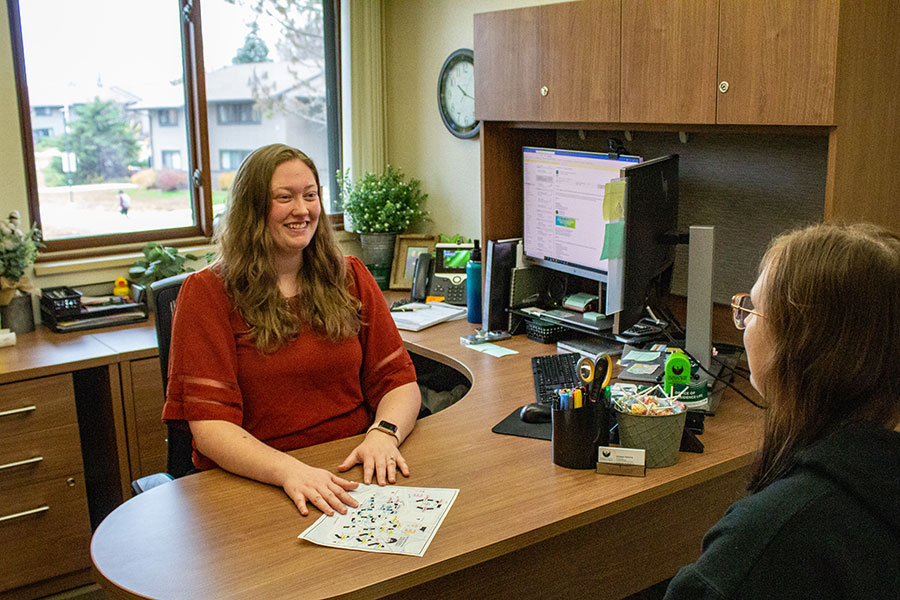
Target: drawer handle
[[21, 463], [16, 411], [25, 513]]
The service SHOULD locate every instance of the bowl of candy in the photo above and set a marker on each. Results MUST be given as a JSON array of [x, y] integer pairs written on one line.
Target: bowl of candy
[[652, 420]]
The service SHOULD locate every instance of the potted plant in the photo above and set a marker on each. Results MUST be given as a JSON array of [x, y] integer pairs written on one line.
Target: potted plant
[[160, 262], [378, 208], [18, 251]]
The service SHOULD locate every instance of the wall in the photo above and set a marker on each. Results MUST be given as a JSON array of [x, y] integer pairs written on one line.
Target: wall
[[12, 167], [419, 37]]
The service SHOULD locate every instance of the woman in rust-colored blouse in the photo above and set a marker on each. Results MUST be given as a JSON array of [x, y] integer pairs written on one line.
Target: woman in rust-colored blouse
[[283, 343]]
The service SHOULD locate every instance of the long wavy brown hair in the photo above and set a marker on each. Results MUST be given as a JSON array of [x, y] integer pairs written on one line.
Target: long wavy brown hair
[[244, 260], [831, 300]]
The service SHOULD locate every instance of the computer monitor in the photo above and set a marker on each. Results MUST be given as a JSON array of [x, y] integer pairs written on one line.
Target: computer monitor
[[571, 226], [651, 219], [566, 226]]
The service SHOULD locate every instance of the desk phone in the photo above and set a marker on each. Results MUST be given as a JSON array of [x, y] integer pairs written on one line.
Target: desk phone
[[449, 278]]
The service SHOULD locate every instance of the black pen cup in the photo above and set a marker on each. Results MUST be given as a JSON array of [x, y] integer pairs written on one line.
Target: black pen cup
[[577, 433]]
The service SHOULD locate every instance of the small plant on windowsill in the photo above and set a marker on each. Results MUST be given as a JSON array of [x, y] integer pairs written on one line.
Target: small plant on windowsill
[[382, 203], [160, 262]]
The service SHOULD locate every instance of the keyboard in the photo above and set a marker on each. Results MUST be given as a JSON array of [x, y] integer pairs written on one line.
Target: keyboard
[[553, 372]]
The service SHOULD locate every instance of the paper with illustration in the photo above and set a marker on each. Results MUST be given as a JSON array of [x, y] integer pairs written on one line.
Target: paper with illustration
[[391, 519]]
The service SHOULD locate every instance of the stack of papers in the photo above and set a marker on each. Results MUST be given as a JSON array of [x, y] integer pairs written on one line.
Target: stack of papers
[[419, 315]]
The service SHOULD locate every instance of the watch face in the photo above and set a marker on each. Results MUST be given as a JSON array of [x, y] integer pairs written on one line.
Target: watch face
[[456, 94], [387, 425]]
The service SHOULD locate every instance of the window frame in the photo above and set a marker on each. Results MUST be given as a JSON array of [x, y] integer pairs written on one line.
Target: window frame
[[198, 145]]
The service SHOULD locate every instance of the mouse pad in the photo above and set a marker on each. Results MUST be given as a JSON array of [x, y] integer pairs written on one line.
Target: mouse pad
[[513, 425]]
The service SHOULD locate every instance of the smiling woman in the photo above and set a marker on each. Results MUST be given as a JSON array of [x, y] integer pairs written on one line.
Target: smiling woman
[[283, 343], [120, 111]]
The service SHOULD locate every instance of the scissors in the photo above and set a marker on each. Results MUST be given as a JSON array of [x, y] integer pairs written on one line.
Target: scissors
[[595, 374]]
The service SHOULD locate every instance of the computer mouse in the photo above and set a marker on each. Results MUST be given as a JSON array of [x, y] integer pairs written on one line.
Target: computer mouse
[[535, 413]]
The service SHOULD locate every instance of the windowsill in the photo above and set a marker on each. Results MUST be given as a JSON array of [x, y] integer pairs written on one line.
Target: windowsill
[[96, 263], [125, 259]]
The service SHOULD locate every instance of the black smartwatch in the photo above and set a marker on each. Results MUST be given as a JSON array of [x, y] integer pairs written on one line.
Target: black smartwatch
[[387, 427]]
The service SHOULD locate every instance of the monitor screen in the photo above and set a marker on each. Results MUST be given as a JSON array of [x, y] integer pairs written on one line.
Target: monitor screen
[[567, 224]]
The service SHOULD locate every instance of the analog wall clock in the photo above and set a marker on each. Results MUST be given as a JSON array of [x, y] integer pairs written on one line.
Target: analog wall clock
[[456, 94]]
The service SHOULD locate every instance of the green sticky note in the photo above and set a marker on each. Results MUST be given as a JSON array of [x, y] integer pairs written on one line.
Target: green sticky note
[[613, 239], [492, 349]]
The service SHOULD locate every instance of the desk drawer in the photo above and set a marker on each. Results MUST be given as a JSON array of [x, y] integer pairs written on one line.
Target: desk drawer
[[44, 531], [36, 456], [37, 404]]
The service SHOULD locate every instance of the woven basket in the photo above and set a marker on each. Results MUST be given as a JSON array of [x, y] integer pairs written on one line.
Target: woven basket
[[659, 436]]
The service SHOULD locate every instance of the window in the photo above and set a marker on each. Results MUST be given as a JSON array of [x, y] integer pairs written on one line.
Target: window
[[236, 114], [168, 117], [123, 111], [171, 159], [230, 160]]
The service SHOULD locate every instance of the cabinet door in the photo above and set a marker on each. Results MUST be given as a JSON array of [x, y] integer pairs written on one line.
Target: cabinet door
[[580, 61], [148, 452], [669, 61], [507, 60], [778, 58]]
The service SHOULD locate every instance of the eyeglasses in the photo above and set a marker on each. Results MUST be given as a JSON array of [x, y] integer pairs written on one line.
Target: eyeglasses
[[743, 308]]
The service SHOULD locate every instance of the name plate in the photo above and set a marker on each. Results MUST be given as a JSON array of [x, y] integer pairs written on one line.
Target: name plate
[[621, 461]]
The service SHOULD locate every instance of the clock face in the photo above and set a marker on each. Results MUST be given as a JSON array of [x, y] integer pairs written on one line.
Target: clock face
[[456, 94]]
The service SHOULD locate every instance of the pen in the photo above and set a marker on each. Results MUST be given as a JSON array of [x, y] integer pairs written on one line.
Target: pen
[[409, 309]]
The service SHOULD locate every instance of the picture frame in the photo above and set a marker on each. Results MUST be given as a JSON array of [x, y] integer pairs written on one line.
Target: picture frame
[[407, 247]]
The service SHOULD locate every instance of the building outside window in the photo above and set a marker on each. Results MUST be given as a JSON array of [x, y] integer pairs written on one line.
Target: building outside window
[[171, 159], [168, 117], [230, 160], [117, 104], [237, 114]]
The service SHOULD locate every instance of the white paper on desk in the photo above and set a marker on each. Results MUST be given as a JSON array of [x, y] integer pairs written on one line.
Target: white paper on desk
[[426, 315], [392, 519]]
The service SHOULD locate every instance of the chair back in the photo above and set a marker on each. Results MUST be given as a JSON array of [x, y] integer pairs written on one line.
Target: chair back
[[165, 292]]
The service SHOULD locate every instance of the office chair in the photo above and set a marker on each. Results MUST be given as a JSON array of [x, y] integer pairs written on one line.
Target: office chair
[[178, 456]]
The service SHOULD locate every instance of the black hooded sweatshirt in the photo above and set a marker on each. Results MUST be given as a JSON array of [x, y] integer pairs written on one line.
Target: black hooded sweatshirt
[[828, 529]]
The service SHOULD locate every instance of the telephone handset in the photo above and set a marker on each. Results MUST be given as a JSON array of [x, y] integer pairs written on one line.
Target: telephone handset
[[421, 282]]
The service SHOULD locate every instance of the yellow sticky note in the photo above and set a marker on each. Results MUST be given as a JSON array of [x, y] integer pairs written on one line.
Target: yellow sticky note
[[614, 200]]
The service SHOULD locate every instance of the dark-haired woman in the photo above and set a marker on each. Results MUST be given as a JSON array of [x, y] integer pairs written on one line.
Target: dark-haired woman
[[822, 335], [283, 343]]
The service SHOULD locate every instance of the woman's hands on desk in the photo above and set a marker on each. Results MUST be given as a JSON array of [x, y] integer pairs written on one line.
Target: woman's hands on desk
[[234, 449], [379, 452], [379, 455]]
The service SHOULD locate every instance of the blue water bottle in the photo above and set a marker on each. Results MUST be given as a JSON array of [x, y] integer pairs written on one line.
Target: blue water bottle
[[473, 285]]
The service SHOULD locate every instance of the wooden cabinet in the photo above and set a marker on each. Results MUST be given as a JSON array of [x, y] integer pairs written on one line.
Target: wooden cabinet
[[558, 62], [669, 61], [779, 59], [143, 396], [769, 62], [44, 521], [766, 62]]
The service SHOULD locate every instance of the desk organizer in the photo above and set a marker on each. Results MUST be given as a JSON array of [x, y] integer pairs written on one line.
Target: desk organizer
[[544, 331], [62, 309]]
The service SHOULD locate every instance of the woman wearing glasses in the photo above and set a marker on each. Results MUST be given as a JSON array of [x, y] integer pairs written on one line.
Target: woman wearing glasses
[[822, 335]]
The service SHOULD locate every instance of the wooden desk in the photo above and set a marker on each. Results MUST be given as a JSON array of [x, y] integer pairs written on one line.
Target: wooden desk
[[520, 523]]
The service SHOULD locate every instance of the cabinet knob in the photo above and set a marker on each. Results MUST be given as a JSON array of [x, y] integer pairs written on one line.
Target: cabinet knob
[[723, 87], [545, 90]]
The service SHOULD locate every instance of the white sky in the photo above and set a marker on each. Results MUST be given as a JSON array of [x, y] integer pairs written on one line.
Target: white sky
[[129, 43]]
